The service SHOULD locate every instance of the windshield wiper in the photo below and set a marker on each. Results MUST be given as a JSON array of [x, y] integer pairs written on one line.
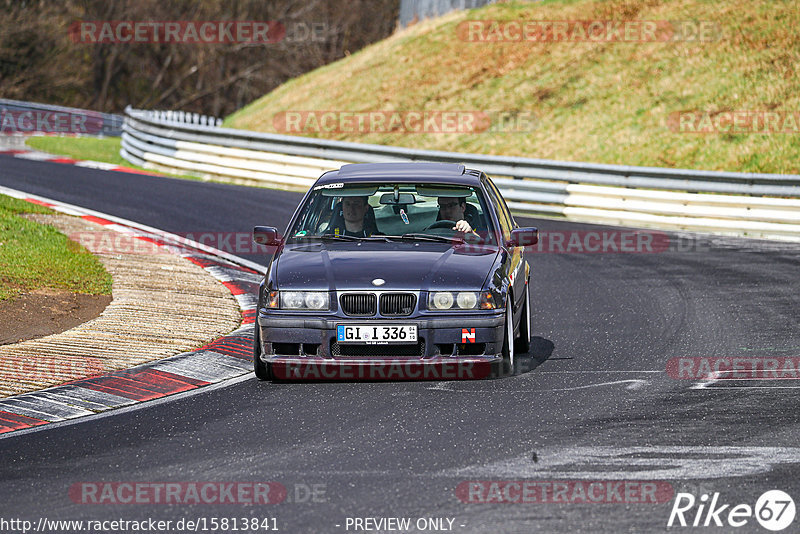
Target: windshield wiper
[[345, 237], [430, 237], [404, 237], [333, 237]]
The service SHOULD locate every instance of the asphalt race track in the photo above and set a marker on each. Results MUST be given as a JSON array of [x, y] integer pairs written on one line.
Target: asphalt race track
[[596, 403]]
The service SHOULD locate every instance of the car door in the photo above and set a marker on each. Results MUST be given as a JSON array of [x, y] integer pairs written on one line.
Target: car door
[[516, 269]]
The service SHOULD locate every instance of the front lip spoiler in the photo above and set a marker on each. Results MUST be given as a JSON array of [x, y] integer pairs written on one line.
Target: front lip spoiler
[[490, 320], [385, 369]]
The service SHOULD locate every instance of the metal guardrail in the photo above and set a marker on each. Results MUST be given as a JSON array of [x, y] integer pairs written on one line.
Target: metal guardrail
[[26, 118], [414, 10], [759, 205]]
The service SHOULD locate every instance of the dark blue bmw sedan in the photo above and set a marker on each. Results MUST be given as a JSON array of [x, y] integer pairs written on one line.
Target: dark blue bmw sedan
[[395, 271]]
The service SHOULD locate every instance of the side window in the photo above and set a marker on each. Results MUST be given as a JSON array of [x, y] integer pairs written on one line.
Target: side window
[[316, 215], [474, 201], [506, 211], [502, 211]]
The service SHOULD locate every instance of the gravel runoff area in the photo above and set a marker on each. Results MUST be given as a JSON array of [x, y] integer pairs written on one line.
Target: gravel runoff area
[[162, 304]]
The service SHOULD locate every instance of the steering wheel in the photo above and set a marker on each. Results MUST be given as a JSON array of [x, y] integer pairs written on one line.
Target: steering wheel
[[444, 223]]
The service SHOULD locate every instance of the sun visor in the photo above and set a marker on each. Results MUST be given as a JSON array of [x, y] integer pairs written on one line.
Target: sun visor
[[443, 191], [348, 191]]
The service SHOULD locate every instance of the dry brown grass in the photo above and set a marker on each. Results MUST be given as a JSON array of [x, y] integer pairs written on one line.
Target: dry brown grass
[[600, 102]]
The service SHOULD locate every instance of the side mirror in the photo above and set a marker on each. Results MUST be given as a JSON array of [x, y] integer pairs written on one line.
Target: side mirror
[[523, 237], [266, 235]]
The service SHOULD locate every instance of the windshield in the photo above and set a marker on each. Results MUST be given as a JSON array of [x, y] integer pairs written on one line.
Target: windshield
[[394, 211]]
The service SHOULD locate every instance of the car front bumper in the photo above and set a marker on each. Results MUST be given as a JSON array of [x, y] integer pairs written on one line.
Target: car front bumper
[[447, 338]]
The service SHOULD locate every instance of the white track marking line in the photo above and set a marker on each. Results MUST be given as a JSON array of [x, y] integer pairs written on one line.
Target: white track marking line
[[598, 372], [632, 385]]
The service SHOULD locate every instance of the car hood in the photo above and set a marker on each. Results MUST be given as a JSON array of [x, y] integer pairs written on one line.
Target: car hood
[[403, 266]]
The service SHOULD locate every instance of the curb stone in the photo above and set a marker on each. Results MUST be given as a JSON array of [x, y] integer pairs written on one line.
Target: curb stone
[[227, 357]]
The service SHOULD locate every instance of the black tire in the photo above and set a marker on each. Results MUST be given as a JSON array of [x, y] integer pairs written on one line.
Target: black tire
[[523, 341], [508, 339], [263, 370]]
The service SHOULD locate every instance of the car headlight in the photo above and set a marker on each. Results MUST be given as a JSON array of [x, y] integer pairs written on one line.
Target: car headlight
[[466, 300], [316, 300], [292, 300], [299, 300], [460, 300], [441, 300]]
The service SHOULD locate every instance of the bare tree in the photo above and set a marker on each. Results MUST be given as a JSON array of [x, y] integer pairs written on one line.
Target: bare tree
[[42, 60]]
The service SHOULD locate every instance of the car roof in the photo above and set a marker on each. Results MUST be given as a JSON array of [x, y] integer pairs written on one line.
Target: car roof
[[441, 173]]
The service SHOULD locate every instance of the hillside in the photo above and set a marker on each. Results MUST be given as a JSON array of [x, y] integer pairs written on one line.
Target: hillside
[[605, 96]]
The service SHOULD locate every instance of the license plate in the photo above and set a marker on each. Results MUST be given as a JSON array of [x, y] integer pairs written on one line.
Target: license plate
[[380, 334]]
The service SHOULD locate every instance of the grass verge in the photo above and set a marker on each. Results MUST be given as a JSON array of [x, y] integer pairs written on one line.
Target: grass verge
[[102, 149], [105, 149], [35, 256]]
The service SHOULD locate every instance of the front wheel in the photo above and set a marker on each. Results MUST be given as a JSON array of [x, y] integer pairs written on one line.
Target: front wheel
[[523, 342], [508, 339], [262, 369]]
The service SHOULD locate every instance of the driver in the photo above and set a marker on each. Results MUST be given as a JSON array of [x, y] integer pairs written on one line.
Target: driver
[[455, 209]]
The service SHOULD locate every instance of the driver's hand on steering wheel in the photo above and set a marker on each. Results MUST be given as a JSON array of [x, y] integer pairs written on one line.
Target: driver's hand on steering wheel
[[463, 226]]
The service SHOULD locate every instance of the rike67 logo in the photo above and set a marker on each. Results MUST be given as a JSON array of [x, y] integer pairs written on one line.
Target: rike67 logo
[[774, 510]]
